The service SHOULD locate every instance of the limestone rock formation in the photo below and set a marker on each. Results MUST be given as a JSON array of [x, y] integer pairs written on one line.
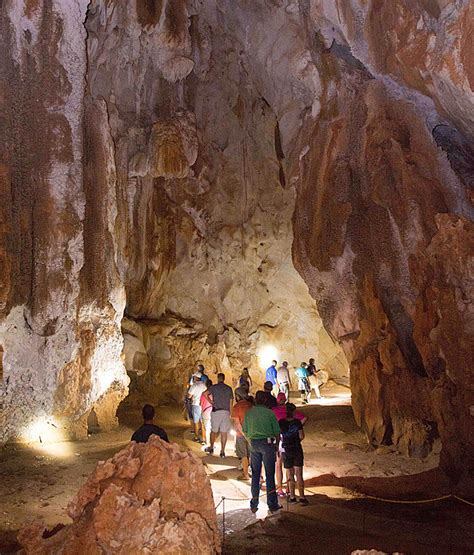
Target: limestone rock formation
[[150, 497], [294, 174]]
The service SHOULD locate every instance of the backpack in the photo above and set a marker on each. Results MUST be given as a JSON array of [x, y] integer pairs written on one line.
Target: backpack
[[290, 432]]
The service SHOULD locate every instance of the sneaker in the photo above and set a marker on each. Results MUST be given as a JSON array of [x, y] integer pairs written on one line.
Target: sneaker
[[196, 439], [275, 510], [222, 455], [281, 493], [209, 450], [254, 509], [292, 500], [304, 501]]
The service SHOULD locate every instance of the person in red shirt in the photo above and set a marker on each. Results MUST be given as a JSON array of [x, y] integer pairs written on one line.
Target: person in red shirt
[[242, 447]]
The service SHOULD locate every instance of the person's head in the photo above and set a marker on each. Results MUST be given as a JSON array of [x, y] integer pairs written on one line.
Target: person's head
[[281, 398], [260, 398], [268, 386], [241, 394], [245, 372], [290, 410], [200, 368], [274, 363], [285, 364], [148, 412], [221, 377], [303, 365], [311, 360]]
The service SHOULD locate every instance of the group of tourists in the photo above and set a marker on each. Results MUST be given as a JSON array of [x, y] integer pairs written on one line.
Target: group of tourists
[[268, 428], [308, 378]]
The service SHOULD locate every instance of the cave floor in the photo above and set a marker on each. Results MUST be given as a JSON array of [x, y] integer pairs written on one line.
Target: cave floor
[[39, 483]]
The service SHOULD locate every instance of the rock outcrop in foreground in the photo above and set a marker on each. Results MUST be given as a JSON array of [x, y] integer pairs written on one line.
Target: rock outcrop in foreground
[[148, 498]]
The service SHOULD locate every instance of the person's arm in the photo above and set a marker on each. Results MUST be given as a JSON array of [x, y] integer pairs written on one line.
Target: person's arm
[[301, 433], [207, 394], [237, 425], [245, 426], [275, 426]]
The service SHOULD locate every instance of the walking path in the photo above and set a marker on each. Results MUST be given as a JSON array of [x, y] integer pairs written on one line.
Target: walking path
[[40, 484]]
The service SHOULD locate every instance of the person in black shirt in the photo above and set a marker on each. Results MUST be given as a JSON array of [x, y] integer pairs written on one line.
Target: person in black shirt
[[270, 400], [148, 429], [292, 434]]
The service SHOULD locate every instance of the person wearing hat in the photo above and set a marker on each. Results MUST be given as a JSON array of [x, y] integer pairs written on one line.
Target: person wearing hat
[[242, 447]]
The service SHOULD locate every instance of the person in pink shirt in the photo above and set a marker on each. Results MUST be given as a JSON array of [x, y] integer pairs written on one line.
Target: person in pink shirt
[[206, 409], [280, 413]]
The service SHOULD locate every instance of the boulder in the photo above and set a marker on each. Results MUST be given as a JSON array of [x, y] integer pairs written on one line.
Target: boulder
[[148, 498]]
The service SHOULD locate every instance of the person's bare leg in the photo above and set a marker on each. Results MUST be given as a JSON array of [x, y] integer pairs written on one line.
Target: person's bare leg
[[213, 439], [245, 468], [223, 441], [197, 425], [299, 480], [279, 472], [290, 478]]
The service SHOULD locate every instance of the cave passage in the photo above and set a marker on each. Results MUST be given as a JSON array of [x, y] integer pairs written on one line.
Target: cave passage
[[225, 183]]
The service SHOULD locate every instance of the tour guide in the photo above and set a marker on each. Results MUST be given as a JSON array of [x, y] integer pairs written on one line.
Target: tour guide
[[262, 431]]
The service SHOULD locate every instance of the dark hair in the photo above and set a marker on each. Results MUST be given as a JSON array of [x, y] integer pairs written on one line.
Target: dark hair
[[220, 377], [148, 412], [201, 368], [260, 398], [290, 409], [311, 360], [274, 362], [268, 386]]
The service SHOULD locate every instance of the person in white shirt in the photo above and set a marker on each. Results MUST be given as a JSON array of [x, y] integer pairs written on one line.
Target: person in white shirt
[[283, 379], [194, 394]]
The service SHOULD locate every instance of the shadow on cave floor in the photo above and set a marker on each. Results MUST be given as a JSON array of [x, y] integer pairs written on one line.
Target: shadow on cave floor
[[40, 484]]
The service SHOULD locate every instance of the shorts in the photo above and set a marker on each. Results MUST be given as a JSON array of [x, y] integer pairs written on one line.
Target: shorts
[[196, 411], [242, 447], [293, 458], [206, 418], [220, 421]]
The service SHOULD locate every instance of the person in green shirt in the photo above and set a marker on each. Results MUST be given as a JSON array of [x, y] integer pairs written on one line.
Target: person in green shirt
[[262, 430]]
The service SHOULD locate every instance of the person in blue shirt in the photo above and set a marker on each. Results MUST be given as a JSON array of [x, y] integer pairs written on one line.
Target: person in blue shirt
[[303, 382], [271, 375]]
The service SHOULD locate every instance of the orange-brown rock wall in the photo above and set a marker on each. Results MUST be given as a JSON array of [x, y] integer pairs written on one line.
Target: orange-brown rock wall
[[375, 196]]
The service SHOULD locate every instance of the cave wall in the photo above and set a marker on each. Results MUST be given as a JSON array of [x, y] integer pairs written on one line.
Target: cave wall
[[204, 209], [390, 165], [61, 338], [186, 148]]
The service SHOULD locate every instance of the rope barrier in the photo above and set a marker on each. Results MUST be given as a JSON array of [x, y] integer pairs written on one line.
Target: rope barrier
[[363, 495]]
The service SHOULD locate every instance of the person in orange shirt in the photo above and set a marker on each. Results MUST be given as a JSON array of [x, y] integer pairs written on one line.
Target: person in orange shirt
[[242, 447]]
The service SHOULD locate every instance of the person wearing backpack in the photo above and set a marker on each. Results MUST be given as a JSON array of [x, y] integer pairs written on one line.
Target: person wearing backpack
[[291, 435]]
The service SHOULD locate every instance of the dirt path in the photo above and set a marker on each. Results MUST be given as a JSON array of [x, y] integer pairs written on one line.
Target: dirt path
[[36, 483]]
